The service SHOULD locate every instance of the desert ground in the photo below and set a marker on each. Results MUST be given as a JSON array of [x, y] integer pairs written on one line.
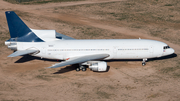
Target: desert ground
[[25, 77]]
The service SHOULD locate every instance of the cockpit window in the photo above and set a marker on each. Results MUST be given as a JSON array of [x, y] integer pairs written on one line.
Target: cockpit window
[[166, 47]]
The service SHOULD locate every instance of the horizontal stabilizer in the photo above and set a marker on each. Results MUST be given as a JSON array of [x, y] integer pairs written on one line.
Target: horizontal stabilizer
[[61, 36], [22, 52], [80, 60]]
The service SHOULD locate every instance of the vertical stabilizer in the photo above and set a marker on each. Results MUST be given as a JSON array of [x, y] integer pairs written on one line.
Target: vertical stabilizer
[[19, 31]]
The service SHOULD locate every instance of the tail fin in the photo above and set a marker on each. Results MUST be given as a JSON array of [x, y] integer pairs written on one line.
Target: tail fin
[[19, 30]]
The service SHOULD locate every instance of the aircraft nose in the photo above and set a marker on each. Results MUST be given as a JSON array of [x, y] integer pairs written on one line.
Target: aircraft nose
[[172, 51], [168, 51]]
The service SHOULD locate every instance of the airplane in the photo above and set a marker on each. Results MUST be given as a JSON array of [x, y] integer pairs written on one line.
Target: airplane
[[91, 53]]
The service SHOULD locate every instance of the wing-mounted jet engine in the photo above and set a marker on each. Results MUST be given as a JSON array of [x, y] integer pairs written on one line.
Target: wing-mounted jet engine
[[96, 66]]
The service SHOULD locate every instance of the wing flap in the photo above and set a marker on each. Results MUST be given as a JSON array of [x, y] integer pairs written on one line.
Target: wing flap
[[80, 60], [22, 52]]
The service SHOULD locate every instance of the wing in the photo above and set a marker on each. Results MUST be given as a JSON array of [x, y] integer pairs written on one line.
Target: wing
[[61, 36], [80, 60], [22, 52]]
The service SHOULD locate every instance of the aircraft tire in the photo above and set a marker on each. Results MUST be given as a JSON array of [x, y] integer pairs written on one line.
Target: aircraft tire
[[77, 69], [83, 69], [143, 64]]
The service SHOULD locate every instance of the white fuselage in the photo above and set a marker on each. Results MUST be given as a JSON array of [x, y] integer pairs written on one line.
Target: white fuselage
[[52, 45], [116, 48]]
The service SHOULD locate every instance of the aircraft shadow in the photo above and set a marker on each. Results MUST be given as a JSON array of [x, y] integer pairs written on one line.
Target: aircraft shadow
[[164, 57], [27, 58], [67, 69], [151, 59], [73, 67]]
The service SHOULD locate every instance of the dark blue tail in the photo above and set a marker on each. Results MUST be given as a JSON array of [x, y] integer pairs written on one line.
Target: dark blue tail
[[19, 31]]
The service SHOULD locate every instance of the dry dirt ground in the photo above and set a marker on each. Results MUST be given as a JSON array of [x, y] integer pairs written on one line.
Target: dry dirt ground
[[24, 78]]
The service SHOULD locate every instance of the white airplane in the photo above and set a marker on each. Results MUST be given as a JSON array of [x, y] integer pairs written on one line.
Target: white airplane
[[87, 53]]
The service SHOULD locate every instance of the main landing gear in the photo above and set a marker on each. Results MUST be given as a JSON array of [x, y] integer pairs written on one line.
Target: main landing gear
[[144, 62], [83, 68]]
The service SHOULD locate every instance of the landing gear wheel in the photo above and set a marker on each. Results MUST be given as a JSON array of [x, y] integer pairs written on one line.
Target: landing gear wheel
[[83, 69], [143, 64], [77, 69]]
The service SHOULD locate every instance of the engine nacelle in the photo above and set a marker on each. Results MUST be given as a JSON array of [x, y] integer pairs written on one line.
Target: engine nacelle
[[11, 45], [98, 66]]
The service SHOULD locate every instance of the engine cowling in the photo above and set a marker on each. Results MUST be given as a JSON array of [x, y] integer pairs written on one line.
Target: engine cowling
[[98, 66], [11, 45]]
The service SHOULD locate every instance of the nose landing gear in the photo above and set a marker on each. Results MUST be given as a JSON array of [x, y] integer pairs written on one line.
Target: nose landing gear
[[144, 62]]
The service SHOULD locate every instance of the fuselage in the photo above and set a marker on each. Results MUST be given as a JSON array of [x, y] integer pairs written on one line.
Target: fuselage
[[87, 53], [116, 48]]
